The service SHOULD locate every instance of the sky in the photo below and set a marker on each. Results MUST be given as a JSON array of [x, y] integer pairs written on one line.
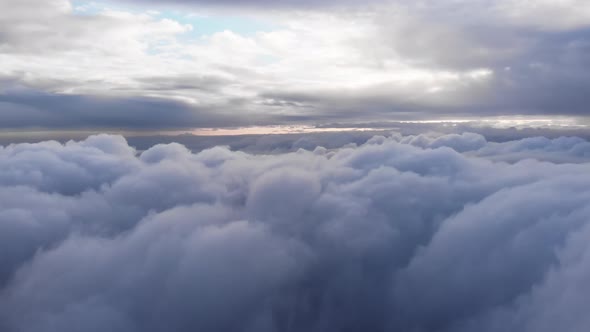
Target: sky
[[294, 166], [184, 65]]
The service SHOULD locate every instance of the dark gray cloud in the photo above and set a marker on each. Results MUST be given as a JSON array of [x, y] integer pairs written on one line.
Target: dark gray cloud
[[23, 107], [533, 72], [549, 78], [36, 109], [400, 233]]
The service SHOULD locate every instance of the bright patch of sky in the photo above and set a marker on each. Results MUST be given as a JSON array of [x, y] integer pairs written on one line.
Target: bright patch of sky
[[210, 24], [204, 24]]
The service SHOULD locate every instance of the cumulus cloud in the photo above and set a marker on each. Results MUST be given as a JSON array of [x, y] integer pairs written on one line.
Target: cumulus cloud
[[414, 233], [558, 150]]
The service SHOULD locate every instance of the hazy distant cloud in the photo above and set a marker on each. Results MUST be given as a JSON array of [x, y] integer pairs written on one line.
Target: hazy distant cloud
[[401, 233]]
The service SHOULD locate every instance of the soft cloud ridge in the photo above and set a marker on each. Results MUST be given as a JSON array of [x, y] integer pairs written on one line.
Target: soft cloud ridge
[[411, 233]]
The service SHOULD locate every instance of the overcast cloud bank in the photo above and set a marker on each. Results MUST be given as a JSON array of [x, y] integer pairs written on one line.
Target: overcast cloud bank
[[401, 233], [138, 64]]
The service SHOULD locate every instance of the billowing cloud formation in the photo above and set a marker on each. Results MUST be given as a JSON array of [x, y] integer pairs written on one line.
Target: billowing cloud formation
[[400, 233]]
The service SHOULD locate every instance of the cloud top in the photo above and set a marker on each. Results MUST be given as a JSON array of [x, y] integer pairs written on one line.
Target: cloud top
[[418, 233]]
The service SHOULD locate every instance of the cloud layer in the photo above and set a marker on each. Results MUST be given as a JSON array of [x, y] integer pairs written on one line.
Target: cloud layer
[[256, 62], [413, 233]]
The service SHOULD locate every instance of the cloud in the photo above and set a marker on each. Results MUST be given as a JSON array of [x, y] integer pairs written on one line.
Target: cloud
[[399, 233], [36, 109], [544, 13], [307, 63], [558, 150]]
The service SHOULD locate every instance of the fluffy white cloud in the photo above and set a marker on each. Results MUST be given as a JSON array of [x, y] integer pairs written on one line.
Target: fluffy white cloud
[[399, 233]]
